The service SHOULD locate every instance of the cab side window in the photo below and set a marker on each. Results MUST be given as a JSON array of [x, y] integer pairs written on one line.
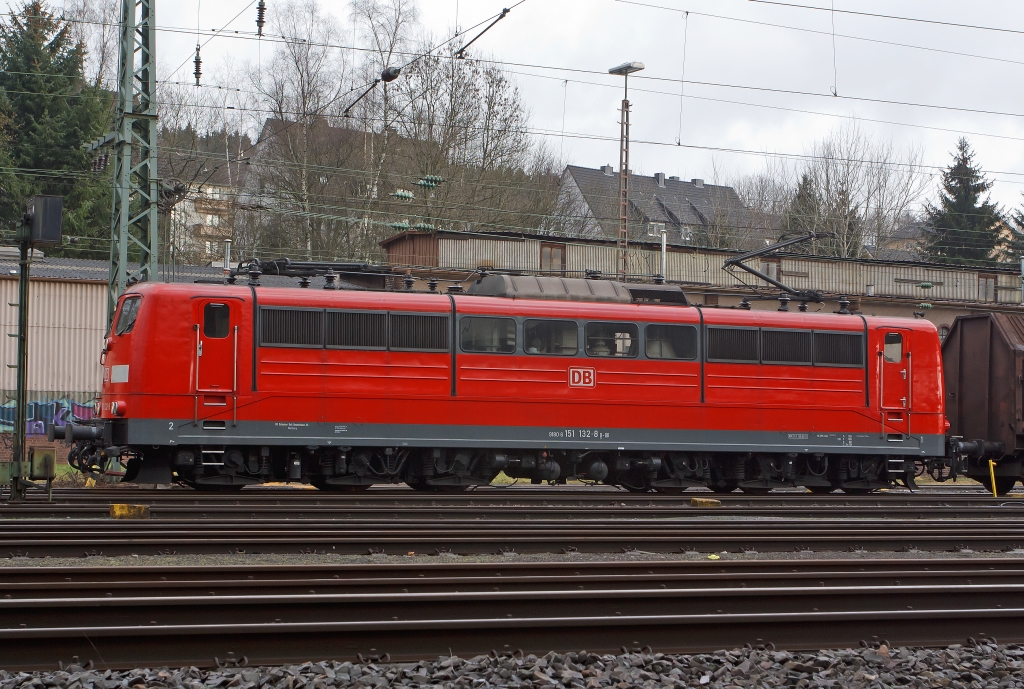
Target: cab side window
[[216, 320], [893, 348], [126, 318]]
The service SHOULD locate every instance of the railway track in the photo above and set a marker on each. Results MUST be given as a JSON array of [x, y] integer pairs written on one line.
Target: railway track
[[506, 534], [396, 503], [180, 616]]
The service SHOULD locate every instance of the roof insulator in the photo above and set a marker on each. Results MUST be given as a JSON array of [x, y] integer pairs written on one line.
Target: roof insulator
[[199, 66], [400, 225], [423, 226], [261, 12]]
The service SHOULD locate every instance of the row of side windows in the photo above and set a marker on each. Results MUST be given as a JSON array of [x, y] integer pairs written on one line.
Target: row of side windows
[[290, 327], [561, 338]]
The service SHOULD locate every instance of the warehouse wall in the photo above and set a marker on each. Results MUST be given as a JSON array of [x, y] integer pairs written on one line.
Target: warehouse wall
[[67, 323]]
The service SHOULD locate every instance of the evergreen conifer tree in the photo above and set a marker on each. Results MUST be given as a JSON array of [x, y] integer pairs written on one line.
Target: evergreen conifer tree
[[51, 111], [961, 227]]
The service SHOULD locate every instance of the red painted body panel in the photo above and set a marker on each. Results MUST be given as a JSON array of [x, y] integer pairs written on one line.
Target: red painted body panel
[[374, 386]]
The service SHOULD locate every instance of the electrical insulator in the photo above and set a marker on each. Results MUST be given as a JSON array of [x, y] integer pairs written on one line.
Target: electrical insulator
[[261, 11], [199, 65]]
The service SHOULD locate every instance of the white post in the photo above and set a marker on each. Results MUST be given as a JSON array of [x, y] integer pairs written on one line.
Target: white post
[[664, 256], [227, 257]]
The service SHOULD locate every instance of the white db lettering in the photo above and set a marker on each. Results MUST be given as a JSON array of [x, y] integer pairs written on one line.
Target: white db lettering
[[581, 377]]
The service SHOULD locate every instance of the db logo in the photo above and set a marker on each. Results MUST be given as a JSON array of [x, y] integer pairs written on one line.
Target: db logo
[[581, 377]]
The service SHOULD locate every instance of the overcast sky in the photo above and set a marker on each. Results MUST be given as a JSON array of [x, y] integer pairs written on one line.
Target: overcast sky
[[738, 51]]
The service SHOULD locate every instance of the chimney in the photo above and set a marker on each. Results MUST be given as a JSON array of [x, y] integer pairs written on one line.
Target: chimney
[[659, 177], [699, 183], [608, 170]]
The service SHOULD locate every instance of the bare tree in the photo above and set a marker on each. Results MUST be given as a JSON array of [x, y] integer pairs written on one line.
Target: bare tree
[[95, 23], [861, 190], [299, 89]]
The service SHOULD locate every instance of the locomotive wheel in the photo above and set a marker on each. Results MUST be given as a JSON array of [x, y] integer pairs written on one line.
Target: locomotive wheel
[[756, 491], [726, 487], [856, 491]]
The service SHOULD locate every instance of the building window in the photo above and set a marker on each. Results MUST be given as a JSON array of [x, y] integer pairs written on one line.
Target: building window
[[986, 287], [552, 257]]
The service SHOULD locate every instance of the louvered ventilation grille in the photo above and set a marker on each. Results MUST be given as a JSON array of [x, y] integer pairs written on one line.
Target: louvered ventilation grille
[[291, 327], [786, 346], [839, 349], [429, 333], [732, 344], [357, 330]]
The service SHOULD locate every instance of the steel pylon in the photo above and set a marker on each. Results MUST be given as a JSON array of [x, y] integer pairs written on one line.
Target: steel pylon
[[134, 221]]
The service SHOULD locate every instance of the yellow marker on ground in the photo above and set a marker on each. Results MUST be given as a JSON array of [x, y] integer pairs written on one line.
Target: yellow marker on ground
[[705, 502], [123, 511]]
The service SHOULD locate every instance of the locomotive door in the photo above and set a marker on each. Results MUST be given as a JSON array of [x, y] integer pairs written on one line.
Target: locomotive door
[[216, 346], [895, 381]]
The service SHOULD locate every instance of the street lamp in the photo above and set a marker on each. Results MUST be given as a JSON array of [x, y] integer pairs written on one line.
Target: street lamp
[[624, 70]]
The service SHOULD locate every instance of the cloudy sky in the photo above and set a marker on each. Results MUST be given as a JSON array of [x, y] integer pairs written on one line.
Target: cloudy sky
[[759, 75]]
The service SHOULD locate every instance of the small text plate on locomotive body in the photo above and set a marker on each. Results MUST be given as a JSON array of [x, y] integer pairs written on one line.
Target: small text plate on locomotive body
[[798, 436], [580, 434], [291, 426], [580, 377]]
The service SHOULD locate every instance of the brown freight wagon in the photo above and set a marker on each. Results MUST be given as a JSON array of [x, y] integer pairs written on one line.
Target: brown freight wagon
[[983, 362]]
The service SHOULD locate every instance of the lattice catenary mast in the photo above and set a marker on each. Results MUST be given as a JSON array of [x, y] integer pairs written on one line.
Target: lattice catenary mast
[[134, 221]]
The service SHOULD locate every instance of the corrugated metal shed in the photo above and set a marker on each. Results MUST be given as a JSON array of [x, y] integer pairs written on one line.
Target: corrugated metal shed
[[67, 321]]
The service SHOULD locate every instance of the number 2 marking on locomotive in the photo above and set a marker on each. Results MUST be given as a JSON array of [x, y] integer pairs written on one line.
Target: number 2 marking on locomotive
[[170, 425]]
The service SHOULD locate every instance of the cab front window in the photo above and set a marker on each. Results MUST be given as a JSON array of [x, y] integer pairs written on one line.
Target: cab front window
[[127, 315]]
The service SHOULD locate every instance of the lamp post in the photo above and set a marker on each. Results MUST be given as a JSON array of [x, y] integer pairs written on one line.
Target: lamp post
[[624, 70]]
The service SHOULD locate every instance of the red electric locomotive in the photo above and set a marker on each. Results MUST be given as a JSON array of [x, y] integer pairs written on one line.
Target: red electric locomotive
[[543, 378]]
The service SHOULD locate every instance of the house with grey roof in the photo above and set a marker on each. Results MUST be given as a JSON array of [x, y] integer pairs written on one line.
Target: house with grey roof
[[691, 212]]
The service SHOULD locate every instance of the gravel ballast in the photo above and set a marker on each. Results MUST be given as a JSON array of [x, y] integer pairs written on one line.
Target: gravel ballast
[[978, 664]]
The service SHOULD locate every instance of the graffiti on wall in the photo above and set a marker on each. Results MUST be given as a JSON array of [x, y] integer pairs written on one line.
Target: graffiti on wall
[[41, 415]]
